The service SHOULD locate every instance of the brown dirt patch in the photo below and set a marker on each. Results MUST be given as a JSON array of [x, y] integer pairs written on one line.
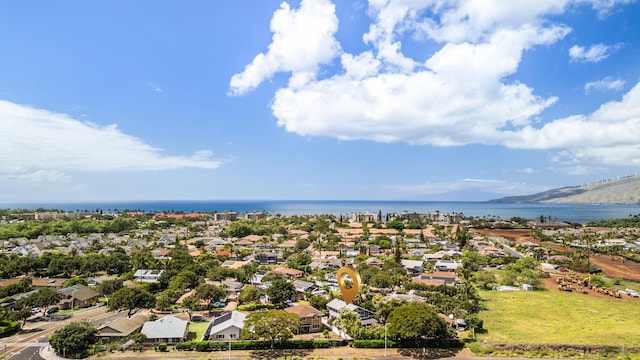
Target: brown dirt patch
[[609, 266]]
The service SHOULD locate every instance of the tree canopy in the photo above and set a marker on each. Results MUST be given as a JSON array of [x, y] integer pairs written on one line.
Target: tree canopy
[[73, 340], [424, 323], [131, 299], [271, 325], [280, 291]]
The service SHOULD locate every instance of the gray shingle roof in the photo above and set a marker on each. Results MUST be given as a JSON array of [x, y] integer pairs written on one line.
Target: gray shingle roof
[[166, 327]]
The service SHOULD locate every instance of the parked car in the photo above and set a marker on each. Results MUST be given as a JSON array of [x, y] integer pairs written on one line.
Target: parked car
[[35, 309], [53, 309], [198, 318]]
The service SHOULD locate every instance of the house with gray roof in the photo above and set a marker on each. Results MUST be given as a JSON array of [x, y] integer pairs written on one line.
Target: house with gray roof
[[169, 330], [226, 327], [366, 316]]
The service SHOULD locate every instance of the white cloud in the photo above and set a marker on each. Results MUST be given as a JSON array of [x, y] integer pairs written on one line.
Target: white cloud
[[603, 85], [595, 53], [465, 92], [303, 39], [39, 146], [609, 135], [527, 170], [155, 87], [605, 7]]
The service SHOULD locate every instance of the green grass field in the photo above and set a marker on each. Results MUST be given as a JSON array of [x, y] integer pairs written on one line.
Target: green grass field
[[554, 317]]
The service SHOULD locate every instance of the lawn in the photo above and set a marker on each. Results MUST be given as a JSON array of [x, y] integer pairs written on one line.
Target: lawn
[[554, 317], [196, 330]]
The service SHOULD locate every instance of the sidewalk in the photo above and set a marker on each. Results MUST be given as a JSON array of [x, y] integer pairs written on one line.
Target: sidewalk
[[47, 353]]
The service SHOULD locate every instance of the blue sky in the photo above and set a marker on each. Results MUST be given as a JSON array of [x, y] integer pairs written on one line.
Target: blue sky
[[314, 99]]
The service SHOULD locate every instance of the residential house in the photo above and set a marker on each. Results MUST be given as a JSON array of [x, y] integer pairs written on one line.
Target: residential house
[[302, 287], [310, 318], [120, 328], [169, 330], [413, 267], [290, 273], [233, 289], [96, 281], [374, 262], [491, 251], [233, 264], [77, 296], [150, 276], [436, 278], [435, 256], [8, 303], [374, 250], [300, 234], [160, 253], [366, 317], [267, 258], [226, 327], [51, 283], [326, 264], [447, 265]]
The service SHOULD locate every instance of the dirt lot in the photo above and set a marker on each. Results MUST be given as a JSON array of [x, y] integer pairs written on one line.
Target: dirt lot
[[609, 266]]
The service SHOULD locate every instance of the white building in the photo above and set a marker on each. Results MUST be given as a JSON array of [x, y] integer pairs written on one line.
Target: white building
[[226, 327]]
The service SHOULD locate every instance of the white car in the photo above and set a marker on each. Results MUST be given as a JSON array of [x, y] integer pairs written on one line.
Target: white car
[[632, 293]]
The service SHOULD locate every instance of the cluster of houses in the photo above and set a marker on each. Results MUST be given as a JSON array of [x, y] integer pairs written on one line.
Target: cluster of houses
[[266, 251], [72, 297]]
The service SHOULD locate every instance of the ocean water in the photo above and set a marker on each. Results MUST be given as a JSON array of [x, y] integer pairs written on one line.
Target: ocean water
[[563, 212]]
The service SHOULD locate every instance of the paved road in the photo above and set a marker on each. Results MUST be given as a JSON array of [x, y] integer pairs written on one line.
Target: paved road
[[26, 344]]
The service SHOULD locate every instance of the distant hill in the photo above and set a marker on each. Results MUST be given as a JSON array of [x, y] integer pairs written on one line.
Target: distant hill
[[625, 190]]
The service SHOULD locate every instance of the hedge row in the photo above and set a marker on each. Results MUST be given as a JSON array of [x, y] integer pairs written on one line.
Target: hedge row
[[205, 346], [423, 343], [8, 327]]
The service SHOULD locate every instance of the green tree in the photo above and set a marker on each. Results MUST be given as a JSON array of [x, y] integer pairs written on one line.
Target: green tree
[[318, 301], [20, 313], [271, 325], [43, 298], [395, 224], [425, 323], [301, 244], [250, 293], [462, 236], [191, 303], [211, 293], [486, 279], [108, 287], [74, 340], [347, 321], [300, 261], [280, 290], [131, 299]]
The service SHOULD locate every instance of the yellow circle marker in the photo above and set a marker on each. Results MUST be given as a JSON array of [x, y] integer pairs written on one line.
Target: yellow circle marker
[[348, 292]]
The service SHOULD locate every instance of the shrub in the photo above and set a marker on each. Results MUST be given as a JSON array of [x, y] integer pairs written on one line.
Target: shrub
[[162, 347], [8, 327], [185, 346]]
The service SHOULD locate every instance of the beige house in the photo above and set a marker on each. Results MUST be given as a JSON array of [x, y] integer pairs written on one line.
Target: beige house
[[310, 318], [121, 328]]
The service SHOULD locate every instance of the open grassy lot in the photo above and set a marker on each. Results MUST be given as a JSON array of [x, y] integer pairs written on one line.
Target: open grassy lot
[[554, 317]]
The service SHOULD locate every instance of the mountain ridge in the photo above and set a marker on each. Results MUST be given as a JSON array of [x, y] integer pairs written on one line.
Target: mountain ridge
[[624, 190]]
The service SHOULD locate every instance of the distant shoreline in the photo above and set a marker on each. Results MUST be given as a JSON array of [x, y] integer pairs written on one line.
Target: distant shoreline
[[576, 213]]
